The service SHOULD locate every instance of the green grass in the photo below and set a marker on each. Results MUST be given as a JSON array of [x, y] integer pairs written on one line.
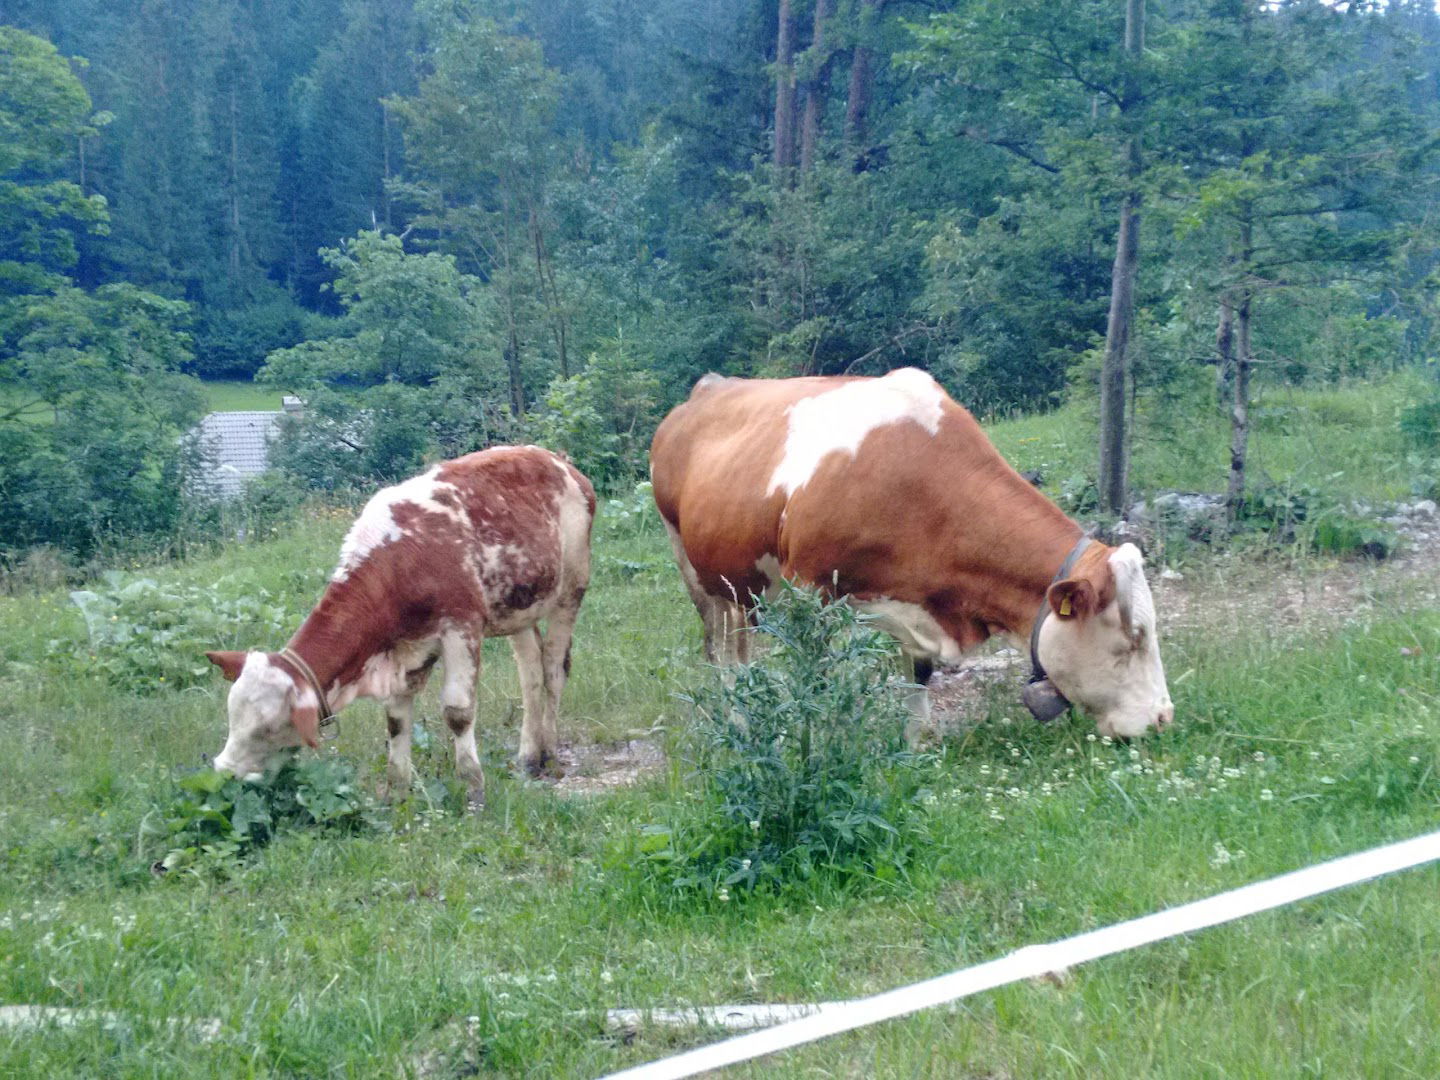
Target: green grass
[[1344, 440], [493, 944], [239, 395]]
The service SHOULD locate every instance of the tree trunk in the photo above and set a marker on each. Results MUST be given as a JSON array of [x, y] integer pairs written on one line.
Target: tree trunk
[[1225, 352], [857, 100], [1240, 390], [1112, 481], [784, 156], [234, 187], [1115, 368], [816, 90], [550, 293], [1239, 415], [512, 326]]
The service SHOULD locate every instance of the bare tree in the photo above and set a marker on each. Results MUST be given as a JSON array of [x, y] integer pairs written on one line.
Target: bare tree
[[1113, 372], [857, 101], [784, 156], [817, 88]]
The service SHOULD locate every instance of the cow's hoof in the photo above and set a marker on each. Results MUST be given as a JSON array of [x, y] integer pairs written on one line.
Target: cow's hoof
[[474, 802], [543, 767]]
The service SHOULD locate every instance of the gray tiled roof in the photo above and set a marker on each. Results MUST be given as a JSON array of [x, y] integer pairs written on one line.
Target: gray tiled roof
[[236, 446]]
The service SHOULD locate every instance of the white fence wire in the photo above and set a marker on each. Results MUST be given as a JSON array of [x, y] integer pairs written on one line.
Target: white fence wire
[[1036, 960]]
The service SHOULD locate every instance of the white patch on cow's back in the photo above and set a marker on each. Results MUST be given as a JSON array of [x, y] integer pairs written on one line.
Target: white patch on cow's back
[[376, 525], [914, 627], [840, 419]]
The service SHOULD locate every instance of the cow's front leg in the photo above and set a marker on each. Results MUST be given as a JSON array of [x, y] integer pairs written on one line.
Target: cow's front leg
[[460, 652], [536, 750], [918, 700]]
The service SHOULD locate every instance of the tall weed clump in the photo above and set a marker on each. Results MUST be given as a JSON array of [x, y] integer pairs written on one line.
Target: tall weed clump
[[799, 763]]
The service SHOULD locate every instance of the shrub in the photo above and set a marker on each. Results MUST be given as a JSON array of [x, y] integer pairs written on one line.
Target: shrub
[[1339, 533], [603, 417], [214, 816], [1420, 422], [144, 636], [800, 759]]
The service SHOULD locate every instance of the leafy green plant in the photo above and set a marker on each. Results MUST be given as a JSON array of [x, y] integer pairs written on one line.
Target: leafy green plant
[[1338, 533], [215, 816], [1278, 508], [1078, 495], [801, 759], [145, 635], [1420, 422], [603, 416]]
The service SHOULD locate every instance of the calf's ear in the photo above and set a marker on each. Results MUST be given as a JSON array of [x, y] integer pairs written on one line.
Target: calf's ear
[[1073, 598], [229, 662]]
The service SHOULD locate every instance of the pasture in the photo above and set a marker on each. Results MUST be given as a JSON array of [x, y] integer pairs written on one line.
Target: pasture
[[457, 945], [239, 395]]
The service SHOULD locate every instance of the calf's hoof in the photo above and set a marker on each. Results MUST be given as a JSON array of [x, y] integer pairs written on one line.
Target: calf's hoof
[[475, 801]]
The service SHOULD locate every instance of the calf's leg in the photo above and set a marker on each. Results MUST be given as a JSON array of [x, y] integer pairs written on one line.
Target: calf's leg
[[536, 750], [555, 663], [460, 652], [399, 711]]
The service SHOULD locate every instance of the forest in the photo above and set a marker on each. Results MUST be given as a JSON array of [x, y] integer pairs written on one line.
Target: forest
[[449, 223]]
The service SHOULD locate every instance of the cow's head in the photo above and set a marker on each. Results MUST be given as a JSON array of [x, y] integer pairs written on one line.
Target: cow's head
[[270, 710], [1099, 645]]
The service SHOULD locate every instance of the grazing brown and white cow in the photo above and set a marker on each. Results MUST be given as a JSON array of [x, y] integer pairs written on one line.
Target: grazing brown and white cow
[[886, 491], [486, 545]]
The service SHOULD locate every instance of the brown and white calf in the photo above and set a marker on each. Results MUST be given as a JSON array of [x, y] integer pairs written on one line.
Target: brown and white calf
[[886, 491], [490, 544]]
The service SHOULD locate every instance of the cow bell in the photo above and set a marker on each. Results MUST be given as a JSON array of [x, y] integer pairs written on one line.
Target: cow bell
[[1043, 700]]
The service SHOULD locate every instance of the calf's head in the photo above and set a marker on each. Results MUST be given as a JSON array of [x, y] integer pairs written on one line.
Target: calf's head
[[270, 710], [1099, 645]]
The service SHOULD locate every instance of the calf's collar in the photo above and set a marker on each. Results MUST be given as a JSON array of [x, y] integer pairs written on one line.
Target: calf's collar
[[297, 661]]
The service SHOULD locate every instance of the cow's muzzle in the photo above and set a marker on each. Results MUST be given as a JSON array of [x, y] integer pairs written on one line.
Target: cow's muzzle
[[1043, 700]]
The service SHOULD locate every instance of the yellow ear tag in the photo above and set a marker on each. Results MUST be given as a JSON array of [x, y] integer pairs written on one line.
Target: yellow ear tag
[[1065, 606]]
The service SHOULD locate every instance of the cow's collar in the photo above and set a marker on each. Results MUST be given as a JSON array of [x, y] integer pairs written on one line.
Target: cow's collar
[[1047, 702], [298, 663]]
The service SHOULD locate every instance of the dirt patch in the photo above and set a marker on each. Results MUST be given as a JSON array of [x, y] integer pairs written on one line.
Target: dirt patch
[[594, 768]]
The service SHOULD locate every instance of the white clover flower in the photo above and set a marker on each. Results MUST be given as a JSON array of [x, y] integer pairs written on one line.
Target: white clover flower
[[1266, 794]]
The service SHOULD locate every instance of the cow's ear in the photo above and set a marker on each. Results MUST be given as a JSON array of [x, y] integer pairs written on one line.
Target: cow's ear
[[1073, 598], [306, 719], [229, 662]]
